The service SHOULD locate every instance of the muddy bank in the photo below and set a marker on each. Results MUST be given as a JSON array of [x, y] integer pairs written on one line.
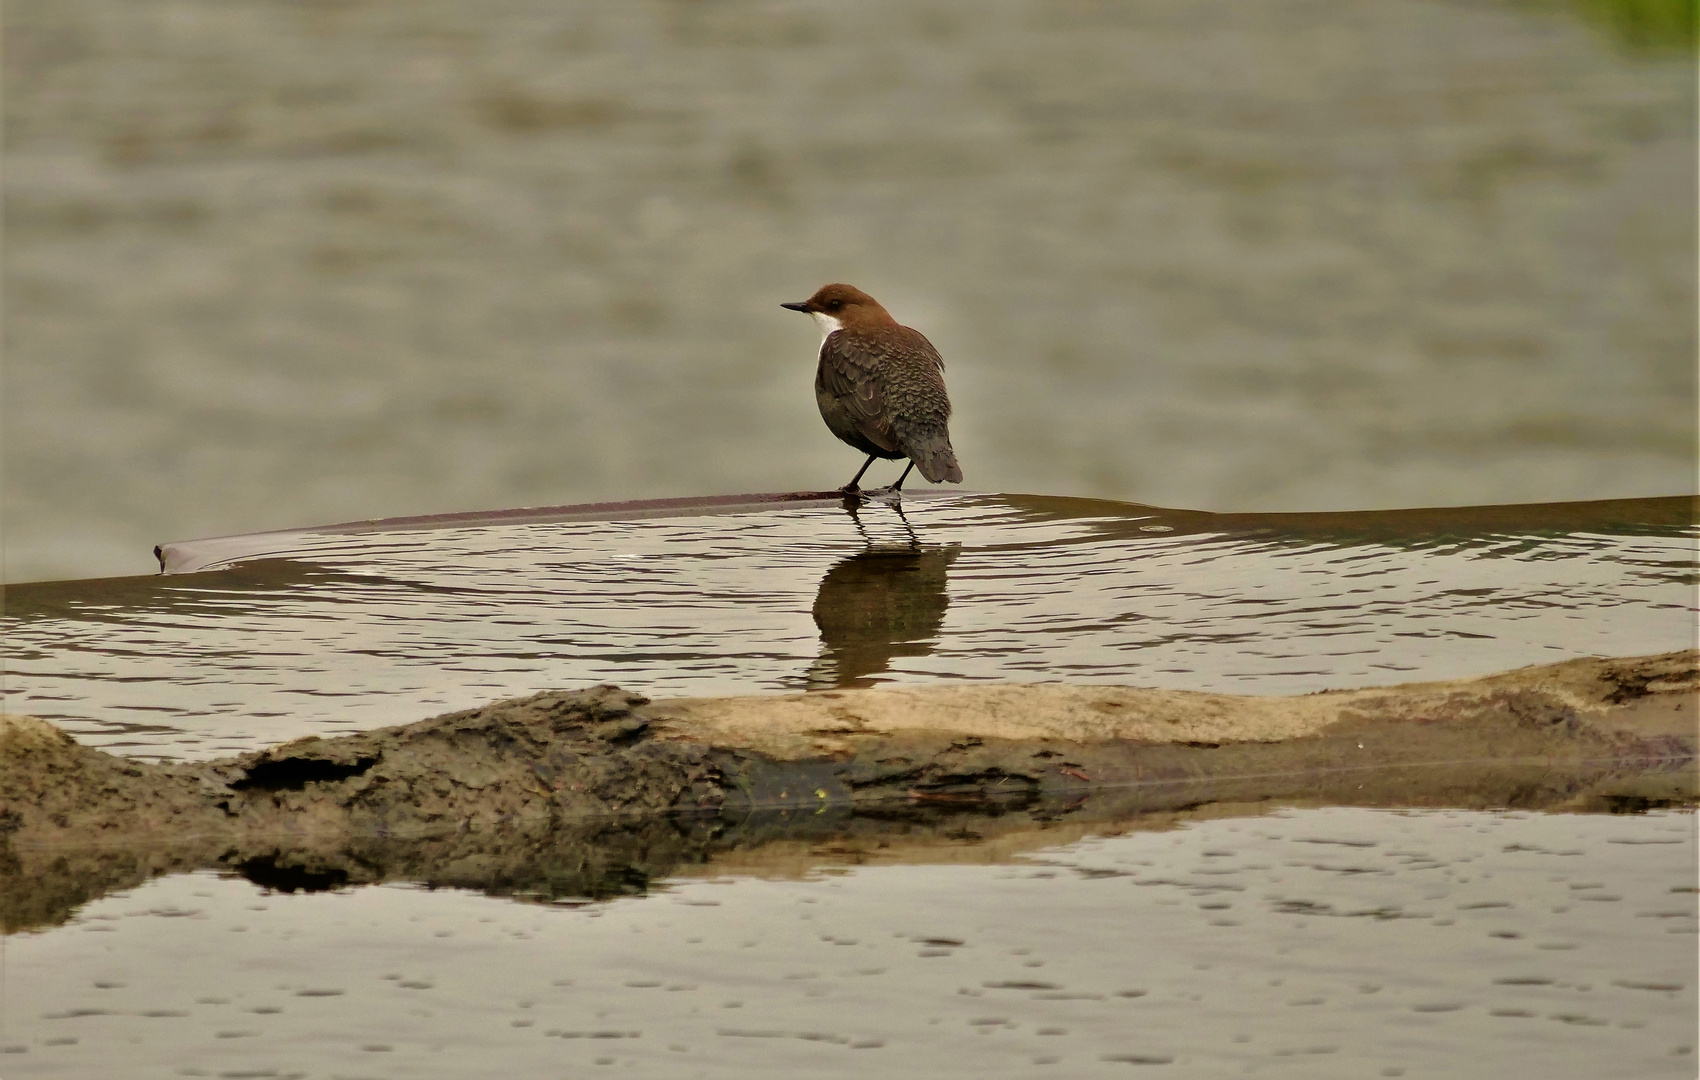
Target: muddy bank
[[596, 792]]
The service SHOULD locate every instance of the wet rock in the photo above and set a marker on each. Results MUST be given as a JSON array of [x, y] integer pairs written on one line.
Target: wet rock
[[598, 792]]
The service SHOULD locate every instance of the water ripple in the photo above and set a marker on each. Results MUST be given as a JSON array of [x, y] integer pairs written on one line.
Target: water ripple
[[362, 629]]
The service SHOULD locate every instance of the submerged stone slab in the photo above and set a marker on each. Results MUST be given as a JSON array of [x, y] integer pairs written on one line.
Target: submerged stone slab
[[219, 552]]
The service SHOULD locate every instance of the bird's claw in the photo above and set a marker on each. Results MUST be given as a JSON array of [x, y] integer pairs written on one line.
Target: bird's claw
[[864, 496]]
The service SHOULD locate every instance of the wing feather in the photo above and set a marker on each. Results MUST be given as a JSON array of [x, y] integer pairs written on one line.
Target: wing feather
[[851, 377]]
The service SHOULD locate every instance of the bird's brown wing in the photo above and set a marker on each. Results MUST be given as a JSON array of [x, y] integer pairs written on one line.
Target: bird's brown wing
[[914, 383], [850, 376], [919, 406]]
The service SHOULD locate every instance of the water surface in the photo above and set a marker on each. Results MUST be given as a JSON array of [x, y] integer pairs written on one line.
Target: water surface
[[329, 632], [1304, 943]]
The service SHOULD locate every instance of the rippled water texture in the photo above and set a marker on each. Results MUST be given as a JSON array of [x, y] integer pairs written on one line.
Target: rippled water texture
[[276, 262], [337, 631], [1306, 944]]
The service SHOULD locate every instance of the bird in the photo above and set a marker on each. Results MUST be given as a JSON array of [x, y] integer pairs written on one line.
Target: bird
[[880, 386]]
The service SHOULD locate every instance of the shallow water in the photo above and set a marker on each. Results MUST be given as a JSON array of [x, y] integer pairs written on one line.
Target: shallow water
[[1304, 943], [339, 631]]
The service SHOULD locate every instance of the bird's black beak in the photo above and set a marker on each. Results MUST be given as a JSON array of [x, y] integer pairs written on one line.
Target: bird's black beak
[[802, 306]]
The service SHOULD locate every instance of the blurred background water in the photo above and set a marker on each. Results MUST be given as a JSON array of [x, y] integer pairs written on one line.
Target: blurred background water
[[279, 263]]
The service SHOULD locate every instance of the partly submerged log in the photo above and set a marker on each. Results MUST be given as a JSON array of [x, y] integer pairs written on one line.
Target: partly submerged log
[[595, 792]]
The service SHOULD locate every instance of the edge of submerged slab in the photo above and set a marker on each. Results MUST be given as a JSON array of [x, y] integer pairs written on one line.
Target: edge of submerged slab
[[220, 552]]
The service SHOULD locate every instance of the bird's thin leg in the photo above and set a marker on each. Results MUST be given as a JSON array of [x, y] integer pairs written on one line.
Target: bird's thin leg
[[899, 485], [851, 488]]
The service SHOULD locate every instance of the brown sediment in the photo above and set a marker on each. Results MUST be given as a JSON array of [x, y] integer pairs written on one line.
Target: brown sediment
[[598, 792]]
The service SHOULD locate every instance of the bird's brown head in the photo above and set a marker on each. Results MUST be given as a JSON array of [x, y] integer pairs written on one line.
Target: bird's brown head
[[836, 306]]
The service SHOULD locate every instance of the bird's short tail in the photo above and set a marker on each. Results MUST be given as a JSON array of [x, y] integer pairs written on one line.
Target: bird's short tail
[[937, 461]]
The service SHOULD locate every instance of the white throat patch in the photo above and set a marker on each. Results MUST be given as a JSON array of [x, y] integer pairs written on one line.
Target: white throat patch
[[827, 324]]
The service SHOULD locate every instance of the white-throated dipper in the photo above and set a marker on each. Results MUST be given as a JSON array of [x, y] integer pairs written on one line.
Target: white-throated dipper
[[880, 386]]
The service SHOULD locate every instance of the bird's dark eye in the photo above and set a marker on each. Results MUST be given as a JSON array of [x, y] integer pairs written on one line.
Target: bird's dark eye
[[835, 304]]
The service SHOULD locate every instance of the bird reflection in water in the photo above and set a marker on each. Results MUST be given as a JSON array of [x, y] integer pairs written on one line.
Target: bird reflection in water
[[881, 603]]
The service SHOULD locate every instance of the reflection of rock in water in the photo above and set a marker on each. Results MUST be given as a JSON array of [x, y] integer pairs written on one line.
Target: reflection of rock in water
[[876, 605]]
